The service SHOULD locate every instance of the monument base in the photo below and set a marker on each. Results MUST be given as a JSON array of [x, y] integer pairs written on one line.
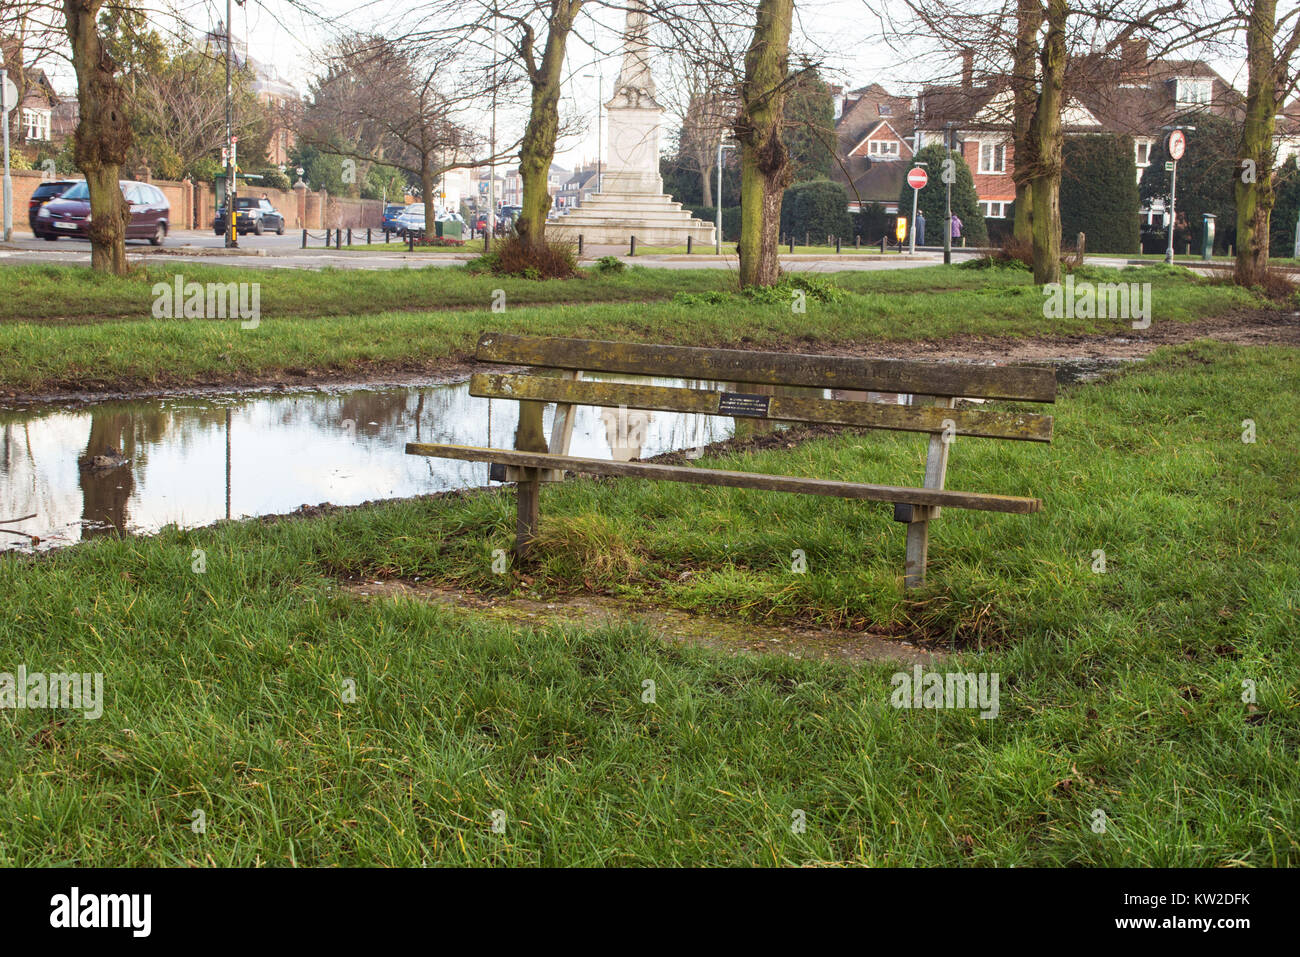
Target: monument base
[[613, 216]]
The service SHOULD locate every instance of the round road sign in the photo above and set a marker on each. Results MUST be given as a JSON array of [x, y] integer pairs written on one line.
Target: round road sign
[[917, 178], [1177, 144]]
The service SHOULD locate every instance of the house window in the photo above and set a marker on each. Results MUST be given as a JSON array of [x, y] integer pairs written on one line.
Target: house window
[[1193, 92], [993, 158], [36, 124], [1142, 152], [994, 208], [885, 149], [884, 109]]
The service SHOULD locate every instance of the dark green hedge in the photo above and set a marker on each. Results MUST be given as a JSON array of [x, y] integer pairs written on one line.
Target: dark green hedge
[[818, 208], [1099, 193]]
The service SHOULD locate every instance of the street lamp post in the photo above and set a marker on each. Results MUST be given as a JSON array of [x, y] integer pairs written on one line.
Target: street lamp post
[[949, 174], [600, 121], [717, 239], [232, 166]]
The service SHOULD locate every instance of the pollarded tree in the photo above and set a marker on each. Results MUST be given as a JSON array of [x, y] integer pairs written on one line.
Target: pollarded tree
[[103, 135], [764, 159]]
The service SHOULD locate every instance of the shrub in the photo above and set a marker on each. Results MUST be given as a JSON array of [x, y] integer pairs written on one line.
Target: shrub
[[553, 260], [818, 208], [609, 265], [1099, 193]]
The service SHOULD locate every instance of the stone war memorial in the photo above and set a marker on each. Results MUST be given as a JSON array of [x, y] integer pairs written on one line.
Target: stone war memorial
[[631, 200]]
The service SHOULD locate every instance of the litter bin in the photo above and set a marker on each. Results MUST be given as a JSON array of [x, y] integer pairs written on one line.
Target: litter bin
[[449, 229]]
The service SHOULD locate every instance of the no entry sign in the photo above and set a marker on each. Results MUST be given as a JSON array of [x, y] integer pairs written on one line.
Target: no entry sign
[[1177, 144], [917, 178]]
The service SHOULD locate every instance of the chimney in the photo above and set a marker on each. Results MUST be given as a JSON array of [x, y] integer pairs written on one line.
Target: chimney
[[1133, 53], [967, 69]]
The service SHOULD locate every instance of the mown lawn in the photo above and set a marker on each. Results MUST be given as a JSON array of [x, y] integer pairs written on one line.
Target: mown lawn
[[294, 338], [1120, 693]]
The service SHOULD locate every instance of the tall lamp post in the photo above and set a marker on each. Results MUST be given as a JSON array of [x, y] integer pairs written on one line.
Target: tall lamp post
[[232, 166], [600, 106], [949, 174], [717, 239]]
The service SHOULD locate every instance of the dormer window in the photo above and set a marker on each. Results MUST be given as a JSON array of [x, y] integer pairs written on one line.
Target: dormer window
[[1193, 92], [883, 149]]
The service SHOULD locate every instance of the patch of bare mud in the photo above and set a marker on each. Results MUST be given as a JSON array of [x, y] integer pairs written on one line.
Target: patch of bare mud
[[670, 624]]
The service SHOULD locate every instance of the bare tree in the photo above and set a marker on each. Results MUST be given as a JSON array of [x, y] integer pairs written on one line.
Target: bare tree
[[103, 135], [1272, 78], [381, 103], [699, 97], [764, 159]]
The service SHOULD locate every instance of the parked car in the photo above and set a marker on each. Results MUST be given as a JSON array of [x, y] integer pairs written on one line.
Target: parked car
[[252, 215], [46, 191], [69, 215], [411, 221], [391, 212]]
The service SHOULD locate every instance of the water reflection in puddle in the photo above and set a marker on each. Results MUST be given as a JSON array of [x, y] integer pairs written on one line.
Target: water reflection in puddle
[[193, 461]]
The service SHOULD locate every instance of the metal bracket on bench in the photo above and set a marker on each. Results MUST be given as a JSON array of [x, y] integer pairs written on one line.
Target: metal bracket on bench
[[907, 512]]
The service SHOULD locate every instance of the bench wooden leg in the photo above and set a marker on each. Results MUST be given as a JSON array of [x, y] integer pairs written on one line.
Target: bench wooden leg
[[527, 520], [529, 437], [919, 516]]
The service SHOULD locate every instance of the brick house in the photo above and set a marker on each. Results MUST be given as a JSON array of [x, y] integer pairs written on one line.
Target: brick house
[[874, 144], [1126, 93]]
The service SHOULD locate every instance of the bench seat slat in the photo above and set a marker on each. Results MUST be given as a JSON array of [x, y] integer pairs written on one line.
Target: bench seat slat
[[1022, 426], [1026, 383], [722, 477]]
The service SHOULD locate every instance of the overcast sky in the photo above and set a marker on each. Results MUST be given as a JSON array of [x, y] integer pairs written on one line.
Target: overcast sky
[[843, 35]]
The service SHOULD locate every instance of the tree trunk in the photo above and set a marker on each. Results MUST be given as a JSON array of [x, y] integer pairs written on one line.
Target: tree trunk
[[1029, 19], [706, 183], [1045, 150], [102, 138], [427, 188], [1254, 181], [537, 150], [764, 160]]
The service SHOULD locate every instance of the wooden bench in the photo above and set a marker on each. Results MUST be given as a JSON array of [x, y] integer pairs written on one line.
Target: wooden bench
[[933, 387]]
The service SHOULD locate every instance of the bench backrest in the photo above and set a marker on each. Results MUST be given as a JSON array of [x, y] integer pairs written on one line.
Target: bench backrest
[[940, 380]]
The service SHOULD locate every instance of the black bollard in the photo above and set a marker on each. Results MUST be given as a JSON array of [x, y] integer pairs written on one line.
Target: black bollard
[[791, 238], [304, 239], [690, 244], [579, 245], [632, 248], [349, 235], [367, 235]]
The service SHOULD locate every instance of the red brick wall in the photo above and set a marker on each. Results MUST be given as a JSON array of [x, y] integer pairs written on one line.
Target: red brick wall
[[996, 186]]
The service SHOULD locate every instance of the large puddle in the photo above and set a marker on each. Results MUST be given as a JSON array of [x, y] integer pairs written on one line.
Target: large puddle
[[192, 461]]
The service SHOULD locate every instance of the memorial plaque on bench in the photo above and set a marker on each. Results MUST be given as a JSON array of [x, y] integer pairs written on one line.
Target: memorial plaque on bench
[[743, 403]]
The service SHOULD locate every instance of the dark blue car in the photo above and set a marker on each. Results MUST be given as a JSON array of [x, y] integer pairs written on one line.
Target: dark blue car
[[391, 212]]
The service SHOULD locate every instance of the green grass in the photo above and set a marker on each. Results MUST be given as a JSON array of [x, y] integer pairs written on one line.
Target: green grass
[[1119, 692], [68, 295], [299, 336]]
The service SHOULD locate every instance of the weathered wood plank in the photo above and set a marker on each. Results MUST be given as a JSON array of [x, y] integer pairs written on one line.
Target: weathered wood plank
[[1028, 383], [936, 472], [1021, 426], [720, 477]]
